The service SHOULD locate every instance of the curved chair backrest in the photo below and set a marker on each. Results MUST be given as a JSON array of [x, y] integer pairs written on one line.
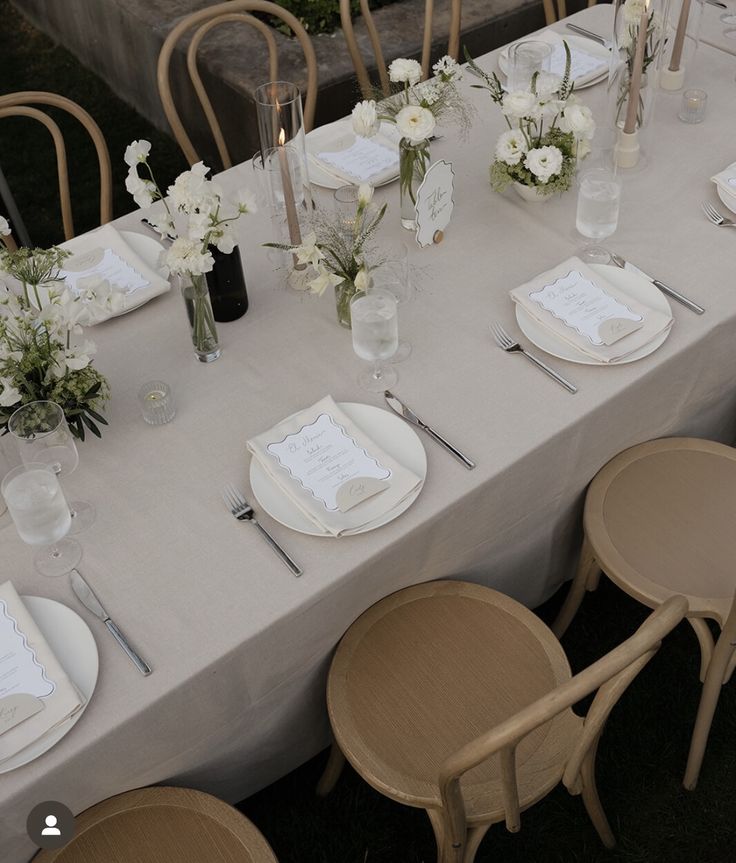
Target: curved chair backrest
[[18, 105], [610, 676], [206, 20], [453, 47], [553, 14]]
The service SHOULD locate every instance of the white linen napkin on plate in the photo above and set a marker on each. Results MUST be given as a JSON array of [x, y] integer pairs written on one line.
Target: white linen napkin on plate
[[104, 254], [336, 148], [27, 663], [726, 180], [397, 482], [581, 307]]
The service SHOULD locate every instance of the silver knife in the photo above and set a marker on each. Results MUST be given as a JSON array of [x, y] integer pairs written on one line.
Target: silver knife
[[607, 43], [86, 596], [666, 289], [403, 411]]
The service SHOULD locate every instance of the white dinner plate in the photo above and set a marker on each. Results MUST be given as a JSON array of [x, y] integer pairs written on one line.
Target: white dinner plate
[[74, 646], [147, 248], [634, 285], [726, 199], [554, 38], [338, 136], [393, 434]]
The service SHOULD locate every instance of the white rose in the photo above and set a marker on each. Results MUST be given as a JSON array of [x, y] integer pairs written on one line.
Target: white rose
[[510, 147], [136, 152], [544, 162], [578, 119], [520, 103], [403, 71], [365, 118], [365, 194], [4, 227], [415, 123]]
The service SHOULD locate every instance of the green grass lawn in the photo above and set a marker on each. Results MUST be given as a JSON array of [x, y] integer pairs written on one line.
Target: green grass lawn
[[642, 755]]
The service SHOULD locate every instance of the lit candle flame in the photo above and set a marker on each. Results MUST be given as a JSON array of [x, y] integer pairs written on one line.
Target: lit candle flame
[[282, 138]]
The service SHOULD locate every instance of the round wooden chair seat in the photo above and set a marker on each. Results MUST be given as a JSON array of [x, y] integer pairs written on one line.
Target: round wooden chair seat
[[429, 669], [162, 825]]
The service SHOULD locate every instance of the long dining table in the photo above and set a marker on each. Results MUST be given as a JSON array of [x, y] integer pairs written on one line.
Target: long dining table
[[239, 647]]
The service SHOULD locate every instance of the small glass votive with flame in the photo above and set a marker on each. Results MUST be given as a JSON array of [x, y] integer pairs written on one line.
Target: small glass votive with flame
[[693, 106], [157, 403]]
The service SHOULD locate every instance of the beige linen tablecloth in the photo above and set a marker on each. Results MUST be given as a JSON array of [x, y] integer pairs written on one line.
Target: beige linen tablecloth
[[240, 647]]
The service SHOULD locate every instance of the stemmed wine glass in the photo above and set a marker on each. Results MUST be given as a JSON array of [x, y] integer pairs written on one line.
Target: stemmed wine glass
[[375, 337], [41, 515], [43, 435], [599, 196]]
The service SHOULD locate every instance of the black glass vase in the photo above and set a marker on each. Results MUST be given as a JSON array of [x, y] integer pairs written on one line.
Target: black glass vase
[[226, 283]]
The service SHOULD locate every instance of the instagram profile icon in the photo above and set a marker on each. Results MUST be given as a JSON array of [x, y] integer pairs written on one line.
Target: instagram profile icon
[[50, 825]]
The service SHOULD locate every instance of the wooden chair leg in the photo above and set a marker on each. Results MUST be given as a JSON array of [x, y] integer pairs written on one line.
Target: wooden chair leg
[[592, 801], [702, 630], [333, 769], [475, 837], [587, 568]]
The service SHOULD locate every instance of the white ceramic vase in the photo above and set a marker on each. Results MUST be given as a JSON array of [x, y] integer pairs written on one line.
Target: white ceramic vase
[[530, 193]]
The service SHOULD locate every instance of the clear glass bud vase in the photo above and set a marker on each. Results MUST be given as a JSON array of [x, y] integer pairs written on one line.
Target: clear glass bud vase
[[344, 293], [201, 319], [413, 164]]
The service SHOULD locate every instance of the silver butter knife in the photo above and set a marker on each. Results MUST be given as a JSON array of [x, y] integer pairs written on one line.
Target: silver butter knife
[[403, 411], [87, 597], [589, 34], [623, 264]]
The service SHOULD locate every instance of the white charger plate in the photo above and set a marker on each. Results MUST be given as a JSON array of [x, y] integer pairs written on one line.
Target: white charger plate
[[393, 434], [337, 136], [726, 199], [634, 285], [554, 38], [74, 646]]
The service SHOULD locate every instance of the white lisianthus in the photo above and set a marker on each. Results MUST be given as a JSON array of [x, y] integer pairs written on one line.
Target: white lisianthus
[[137, 152], [245, 201], [511, 147], [309, 252], [402, 71], [544, 162], [141, 190], [415, 123], [550, 109], [547, 84], [365, 118], [365, 194], [447, 67], [362, 280], [578, 119], [325, 279], [186, 256], [4, 227], [9, 395], [519, 104]]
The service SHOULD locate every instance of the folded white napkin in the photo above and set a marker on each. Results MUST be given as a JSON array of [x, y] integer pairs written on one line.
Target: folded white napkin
[[584, 309], [339, 151], [104, 256], [323, 462], [28, 666], [726, 179]]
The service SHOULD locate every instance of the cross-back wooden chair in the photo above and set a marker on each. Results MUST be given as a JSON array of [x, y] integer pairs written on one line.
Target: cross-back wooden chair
[[346, 18], [457, 699], [556, 11], [205, 20], [21, 105]]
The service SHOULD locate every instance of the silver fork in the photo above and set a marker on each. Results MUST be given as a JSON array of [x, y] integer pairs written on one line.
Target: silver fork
[[506, 343], [715, 217], [243, 511]]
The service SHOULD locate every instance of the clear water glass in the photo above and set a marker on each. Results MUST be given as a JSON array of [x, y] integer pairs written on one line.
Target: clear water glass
[[599, 197], [393, 275], [42, 434], [526, 58], [41, 516], [375, 330]]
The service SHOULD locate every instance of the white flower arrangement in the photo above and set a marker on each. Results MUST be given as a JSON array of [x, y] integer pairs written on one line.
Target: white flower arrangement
[[549, 130]]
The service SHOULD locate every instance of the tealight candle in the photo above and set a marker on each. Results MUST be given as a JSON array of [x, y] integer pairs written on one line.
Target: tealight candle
[[157, 403], [693, 106]]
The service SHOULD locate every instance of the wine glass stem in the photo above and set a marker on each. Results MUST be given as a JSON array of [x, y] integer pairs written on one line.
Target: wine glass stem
[[377, 370]]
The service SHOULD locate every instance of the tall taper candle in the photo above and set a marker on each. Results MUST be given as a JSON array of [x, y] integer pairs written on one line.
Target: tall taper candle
[[679, 37], [632, 108]]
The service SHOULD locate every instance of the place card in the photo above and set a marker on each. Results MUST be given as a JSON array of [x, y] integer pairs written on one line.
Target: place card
[[434, 203], [363, 160], [105, 264], [330, 464], [582, 304]]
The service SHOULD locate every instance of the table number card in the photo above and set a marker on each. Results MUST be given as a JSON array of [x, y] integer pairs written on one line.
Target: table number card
[[434, 203], [584, 306], [330, 465]]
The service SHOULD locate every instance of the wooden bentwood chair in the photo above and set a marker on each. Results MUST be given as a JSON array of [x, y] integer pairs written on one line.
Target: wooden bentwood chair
[[552, 14], [162, 825], [457, 699], [346, 18], [20, 105], [658, 522], [206, 20]]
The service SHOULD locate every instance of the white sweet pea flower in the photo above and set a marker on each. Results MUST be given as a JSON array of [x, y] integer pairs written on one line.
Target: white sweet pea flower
[[186, 256], [415, 123], [447, 67], [4, 227], [141, 190], [402, 71], [226, 241], [190, 191], [365, 118], [137, 152], [519, 104], [362, 280], [79, 356], [309, 252], [365, 194], [511, 147], [325, 279], [245, 201], [9, 395], [199, 225], [544, 162], [578, 119]]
